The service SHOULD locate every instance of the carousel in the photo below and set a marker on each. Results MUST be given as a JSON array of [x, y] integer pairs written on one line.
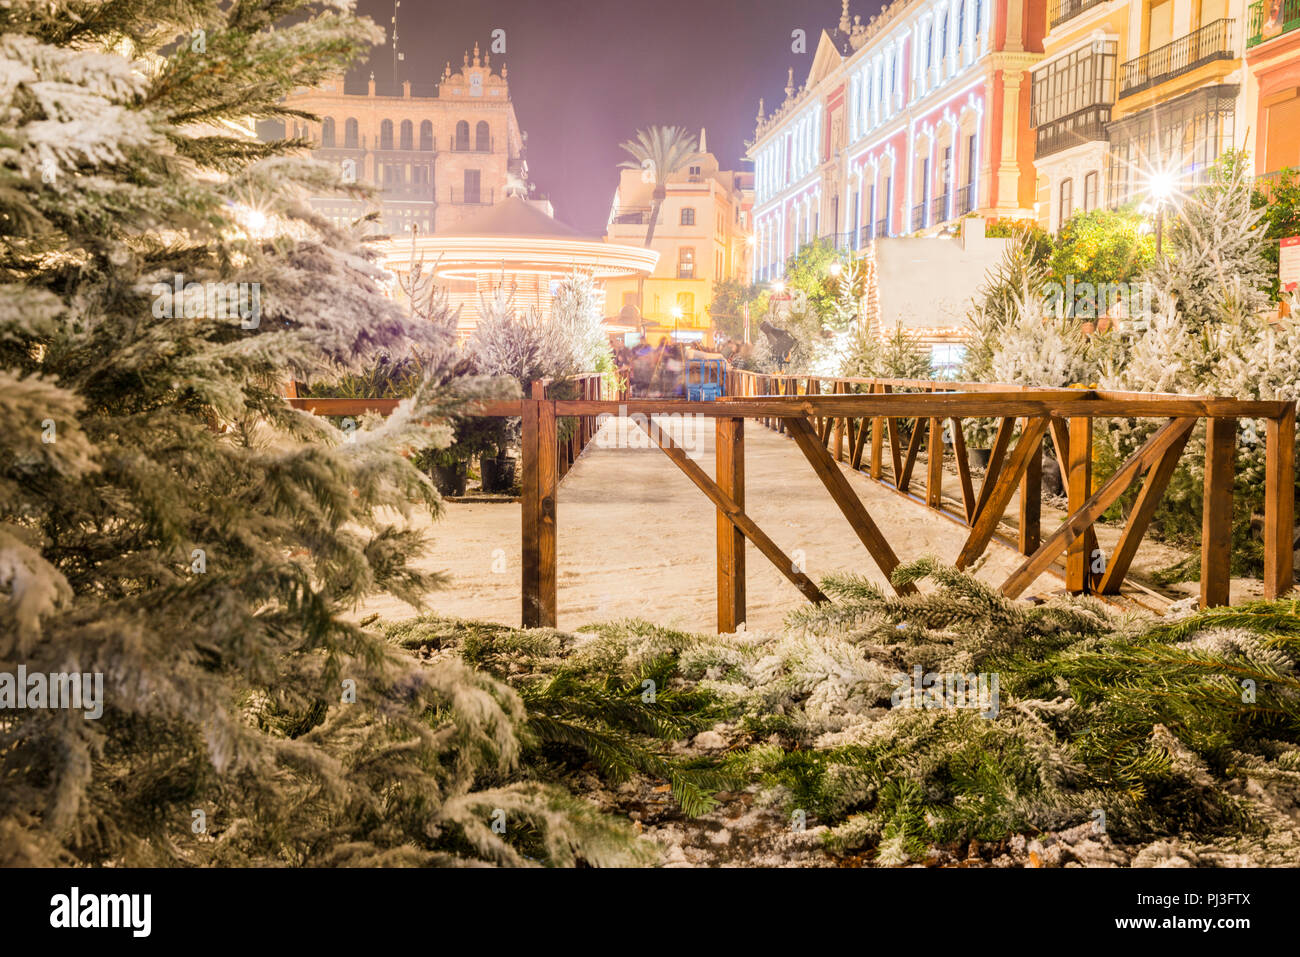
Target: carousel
[[517, 243]]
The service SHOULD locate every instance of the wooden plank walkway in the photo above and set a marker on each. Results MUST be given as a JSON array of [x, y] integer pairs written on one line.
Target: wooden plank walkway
[[636, 538]]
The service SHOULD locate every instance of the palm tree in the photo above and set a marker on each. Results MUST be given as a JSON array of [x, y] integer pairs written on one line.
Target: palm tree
[[657, 152]]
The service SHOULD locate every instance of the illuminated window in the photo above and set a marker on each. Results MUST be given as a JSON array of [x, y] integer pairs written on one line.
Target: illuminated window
[[686, 263]]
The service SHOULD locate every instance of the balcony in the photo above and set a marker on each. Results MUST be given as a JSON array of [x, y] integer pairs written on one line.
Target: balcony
[[1086, 126], [918, 215], [1262, 28], [939, 208], [632, 216], [865, 235], [473, 146], [1212, 42], [1061, 10], [964, 200], [882, 228], [471, 197]]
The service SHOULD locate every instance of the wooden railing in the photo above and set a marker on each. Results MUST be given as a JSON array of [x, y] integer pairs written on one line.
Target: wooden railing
[[589, 386], [1067, 415], [839, 420]]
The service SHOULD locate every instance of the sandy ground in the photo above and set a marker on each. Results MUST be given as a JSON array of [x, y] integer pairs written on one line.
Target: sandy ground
[[636, 538]]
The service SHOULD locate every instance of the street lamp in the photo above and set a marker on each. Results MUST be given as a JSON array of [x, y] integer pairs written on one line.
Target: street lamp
[[1161, 187]]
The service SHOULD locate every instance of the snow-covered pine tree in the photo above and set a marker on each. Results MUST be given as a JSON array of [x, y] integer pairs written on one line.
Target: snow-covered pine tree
[[1216, 268], [166, 520], [578, 324]]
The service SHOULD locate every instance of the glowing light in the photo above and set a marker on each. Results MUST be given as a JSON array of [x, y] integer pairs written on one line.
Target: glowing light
[[677, 312], [778, 287], [836, 268], [1161, 185], [256, 221]]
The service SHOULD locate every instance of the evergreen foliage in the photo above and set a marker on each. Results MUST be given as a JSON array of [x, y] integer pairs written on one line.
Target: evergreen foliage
[[169, 522]]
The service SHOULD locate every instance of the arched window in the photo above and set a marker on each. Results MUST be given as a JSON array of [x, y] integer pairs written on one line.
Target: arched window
[[462, 135], [350, 137], [943, 36], [482, 137], [961, 22], [386, 135], [408, 135], [327, 131], [979, 17], [426, 136], [929, 47]]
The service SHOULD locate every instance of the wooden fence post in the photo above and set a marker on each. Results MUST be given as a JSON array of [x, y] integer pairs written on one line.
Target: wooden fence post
[[1031, 503], [934, 465], [877, 437], [540, 480], [1216, 513], [1279, 505], [729, 448], [1078, 560]]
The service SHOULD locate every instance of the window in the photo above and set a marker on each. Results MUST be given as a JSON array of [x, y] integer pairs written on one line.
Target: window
[[472, 193], [483, 137], [1067, 201], [393, 175], [928, 43], [686, 303], [462, 136], [1090, 190], [327, 131], [947, 170], [694, 172], [979, 17], [426, 136], [686, 263], [961, 22], [688, 216], [943, 36], [419, 175], [407, 136], [386, 135], [350, 137]]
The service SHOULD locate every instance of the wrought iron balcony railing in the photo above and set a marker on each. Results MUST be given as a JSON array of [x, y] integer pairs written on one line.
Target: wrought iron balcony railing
[[1061, 10], [471, 197], [964, 200], [1083, 127], [918, 215], [1211, 42]]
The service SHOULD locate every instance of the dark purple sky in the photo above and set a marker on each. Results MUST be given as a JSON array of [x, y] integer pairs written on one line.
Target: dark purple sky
[[586, 74]]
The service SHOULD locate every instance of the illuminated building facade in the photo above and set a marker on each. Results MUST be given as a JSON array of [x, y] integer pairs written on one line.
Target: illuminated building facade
[[903, 126]]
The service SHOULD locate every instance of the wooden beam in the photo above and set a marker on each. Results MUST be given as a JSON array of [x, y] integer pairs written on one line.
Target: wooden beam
[[1279, 504], [1030, 535], [934, 465], [878, 439], [1216, 513], [1082, 517], [539, 480], [913, 447], [847, 500], [735, 514], [963, 469], [997, 455], [729, 455], [1078, 489], [986, 521], [1144, 508]]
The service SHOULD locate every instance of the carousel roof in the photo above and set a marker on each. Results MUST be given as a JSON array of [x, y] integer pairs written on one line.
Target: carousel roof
[[516, 237]]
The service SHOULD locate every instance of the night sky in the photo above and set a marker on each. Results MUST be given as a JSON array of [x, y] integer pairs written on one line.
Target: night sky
[[586, 74]]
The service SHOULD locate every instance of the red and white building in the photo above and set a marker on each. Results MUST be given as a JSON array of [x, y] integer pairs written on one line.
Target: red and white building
[[904, 125]]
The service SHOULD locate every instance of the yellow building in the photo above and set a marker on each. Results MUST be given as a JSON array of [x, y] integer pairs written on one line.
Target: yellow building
[[440, 152], [702, 237], [1126, 91]]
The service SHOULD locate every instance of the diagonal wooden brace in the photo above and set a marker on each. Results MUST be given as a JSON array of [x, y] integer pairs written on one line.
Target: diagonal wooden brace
[[733, 512]]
